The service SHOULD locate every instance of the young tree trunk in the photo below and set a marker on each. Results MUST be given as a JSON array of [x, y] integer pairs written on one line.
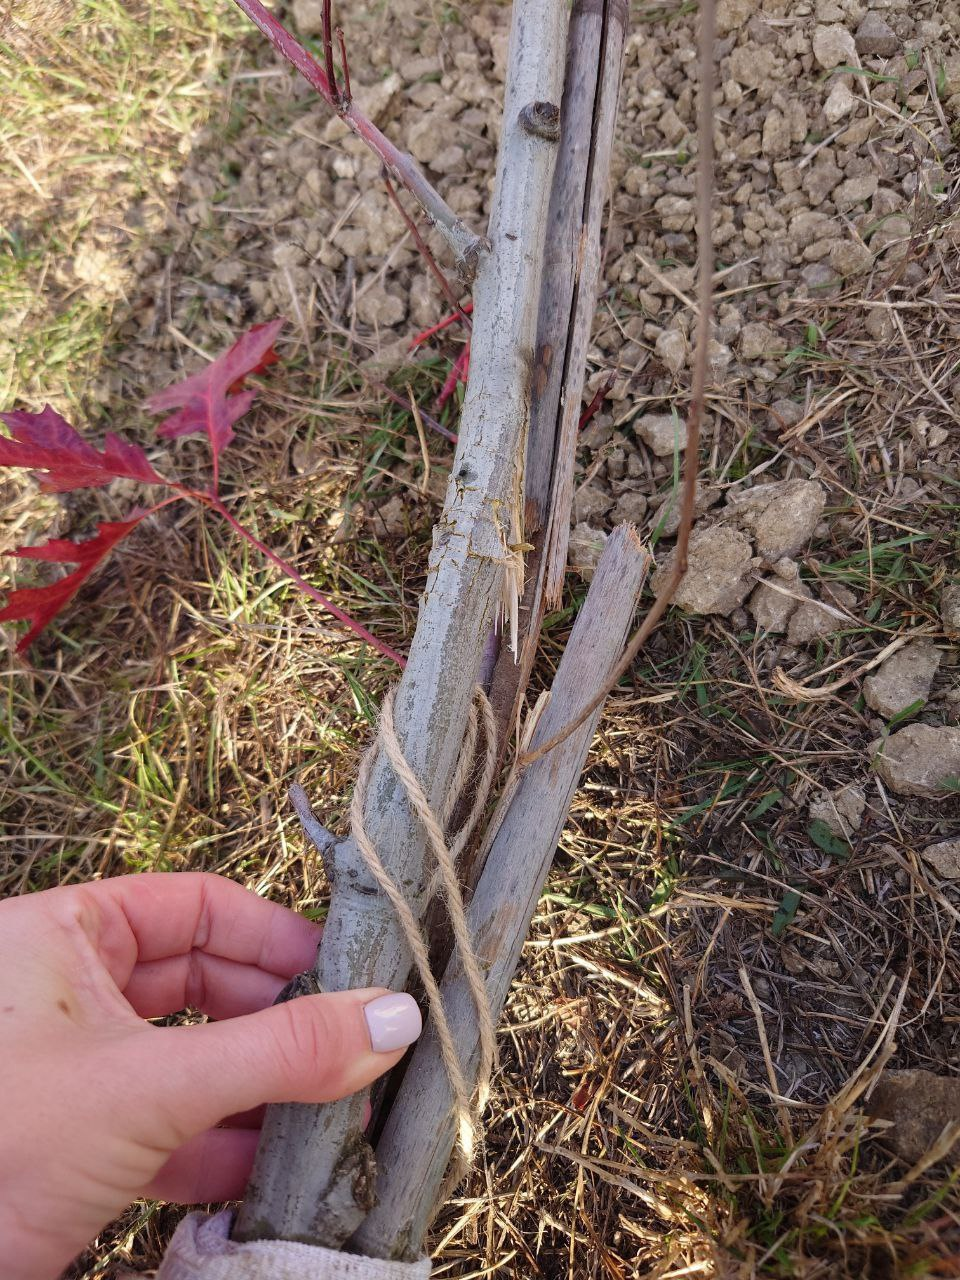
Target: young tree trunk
[[314, 1173]]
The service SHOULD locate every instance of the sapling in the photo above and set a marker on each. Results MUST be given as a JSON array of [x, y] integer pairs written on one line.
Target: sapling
[[208, 403]]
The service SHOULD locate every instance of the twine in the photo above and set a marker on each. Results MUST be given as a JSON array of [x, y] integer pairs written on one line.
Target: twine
[[446, 882]]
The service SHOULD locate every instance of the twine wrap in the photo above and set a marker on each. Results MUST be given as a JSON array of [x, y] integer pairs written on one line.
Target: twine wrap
[[446, 882]]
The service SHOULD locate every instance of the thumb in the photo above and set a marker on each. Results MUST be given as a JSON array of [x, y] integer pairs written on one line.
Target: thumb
[[311, 1049]]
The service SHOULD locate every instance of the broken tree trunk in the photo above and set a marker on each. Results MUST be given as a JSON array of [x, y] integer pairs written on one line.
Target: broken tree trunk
[[313, 1176], [417, 1140]]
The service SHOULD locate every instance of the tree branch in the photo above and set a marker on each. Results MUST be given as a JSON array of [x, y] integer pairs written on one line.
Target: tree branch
[[567, 304], [415, 1147], [468, 247]]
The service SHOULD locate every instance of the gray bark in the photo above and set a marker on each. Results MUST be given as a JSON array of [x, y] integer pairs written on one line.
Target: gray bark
[[567, 305], [312, 1179], [415, 1147]]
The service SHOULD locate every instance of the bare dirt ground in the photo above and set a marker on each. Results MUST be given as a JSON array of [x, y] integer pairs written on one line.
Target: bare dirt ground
[[754, 906]]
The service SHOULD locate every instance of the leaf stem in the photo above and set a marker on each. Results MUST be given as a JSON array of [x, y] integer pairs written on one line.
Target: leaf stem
[[215, 504]]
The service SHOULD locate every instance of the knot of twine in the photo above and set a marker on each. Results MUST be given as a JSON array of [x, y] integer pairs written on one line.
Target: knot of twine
[[445, 880]]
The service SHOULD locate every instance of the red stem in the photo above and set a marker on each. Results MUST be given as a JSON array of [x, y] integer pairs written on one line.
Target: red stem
[[596, 402], [425, 253], [457, 374], [445, 323], [215, 504]]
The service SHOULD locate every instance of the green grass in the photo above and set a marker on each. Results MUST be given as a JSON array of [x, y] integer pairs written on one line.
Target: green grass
[[100, 117]]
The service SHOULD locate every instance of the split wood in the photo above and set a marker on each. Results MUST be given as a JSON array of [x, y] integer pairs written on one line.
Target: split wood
[[449, 887]]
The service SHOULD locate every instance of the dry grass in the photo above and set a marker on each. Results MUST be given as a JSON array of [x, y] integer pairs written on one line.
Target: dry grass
[[707, 994]]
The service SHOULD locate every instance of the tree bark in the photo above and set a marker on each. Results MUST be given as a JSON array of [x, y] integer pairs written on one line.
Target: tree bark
[[567, 306], [313, 1176], [415, 1147]]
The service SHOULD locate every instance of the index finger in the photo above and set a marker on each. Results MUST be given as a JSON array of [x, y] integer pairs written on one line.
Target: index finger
[[156, 915]]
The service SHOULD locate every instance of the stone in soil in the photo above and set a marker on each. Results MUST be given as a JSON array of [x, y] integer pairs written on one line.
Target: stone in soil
[[950, 609], [834, 46], [919, 1104], [841, 810], [591, 502], [920, 760], [661, 432], [816, 619], [584, 549], [840, 102], [874, 39], [903, 679], [944, 857], [776, 599], [671, 348], [630, 507], [758, 340], [719, 575], [781, 516]]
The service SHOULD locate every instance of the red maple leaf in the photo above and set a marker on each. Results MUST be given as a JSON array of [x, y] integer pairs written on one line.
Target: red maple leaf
[[206, 400], [62, 460], [40, 605]]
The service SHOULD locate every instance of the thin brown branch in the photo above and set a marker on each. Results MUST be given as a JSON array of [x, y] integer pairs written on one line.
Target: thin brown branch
[[327, 25], [346, 95], [425, 253], [404, 403], [705, 162]]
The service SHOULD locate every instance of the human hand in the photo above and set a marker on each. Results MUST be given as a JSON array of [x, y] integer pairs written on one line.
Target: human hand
[[98, 1107]]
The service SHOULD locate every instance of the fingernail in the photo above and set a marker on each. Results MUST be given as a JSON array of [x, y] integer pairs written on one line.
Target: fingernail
[[393, 1022]]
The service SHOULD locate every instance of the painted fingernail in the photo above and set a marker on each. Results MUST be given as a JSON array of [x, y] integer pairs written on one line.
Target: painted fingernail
[[393, 1022]]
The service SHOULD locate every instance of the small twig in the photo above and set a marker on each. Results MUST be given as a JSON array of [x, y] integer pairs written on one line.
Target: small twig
[[425, 417], [468, 247], [425, 253], [322, 840], [817, 693], [421, 436], [783, 1114], [347, 94], [328, 53], [705, 161]]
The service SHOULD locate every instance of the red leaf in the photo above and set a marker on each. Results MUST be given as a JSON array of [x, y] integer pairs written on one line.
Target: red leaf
[[457, 374], [63, 460], [205, 400], [40, 605]]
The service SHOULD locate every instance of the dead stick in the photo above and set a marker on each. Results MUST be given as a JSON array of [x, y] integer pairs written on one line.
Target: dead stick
[[698, 392], [415, 1147], [566, 311]]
